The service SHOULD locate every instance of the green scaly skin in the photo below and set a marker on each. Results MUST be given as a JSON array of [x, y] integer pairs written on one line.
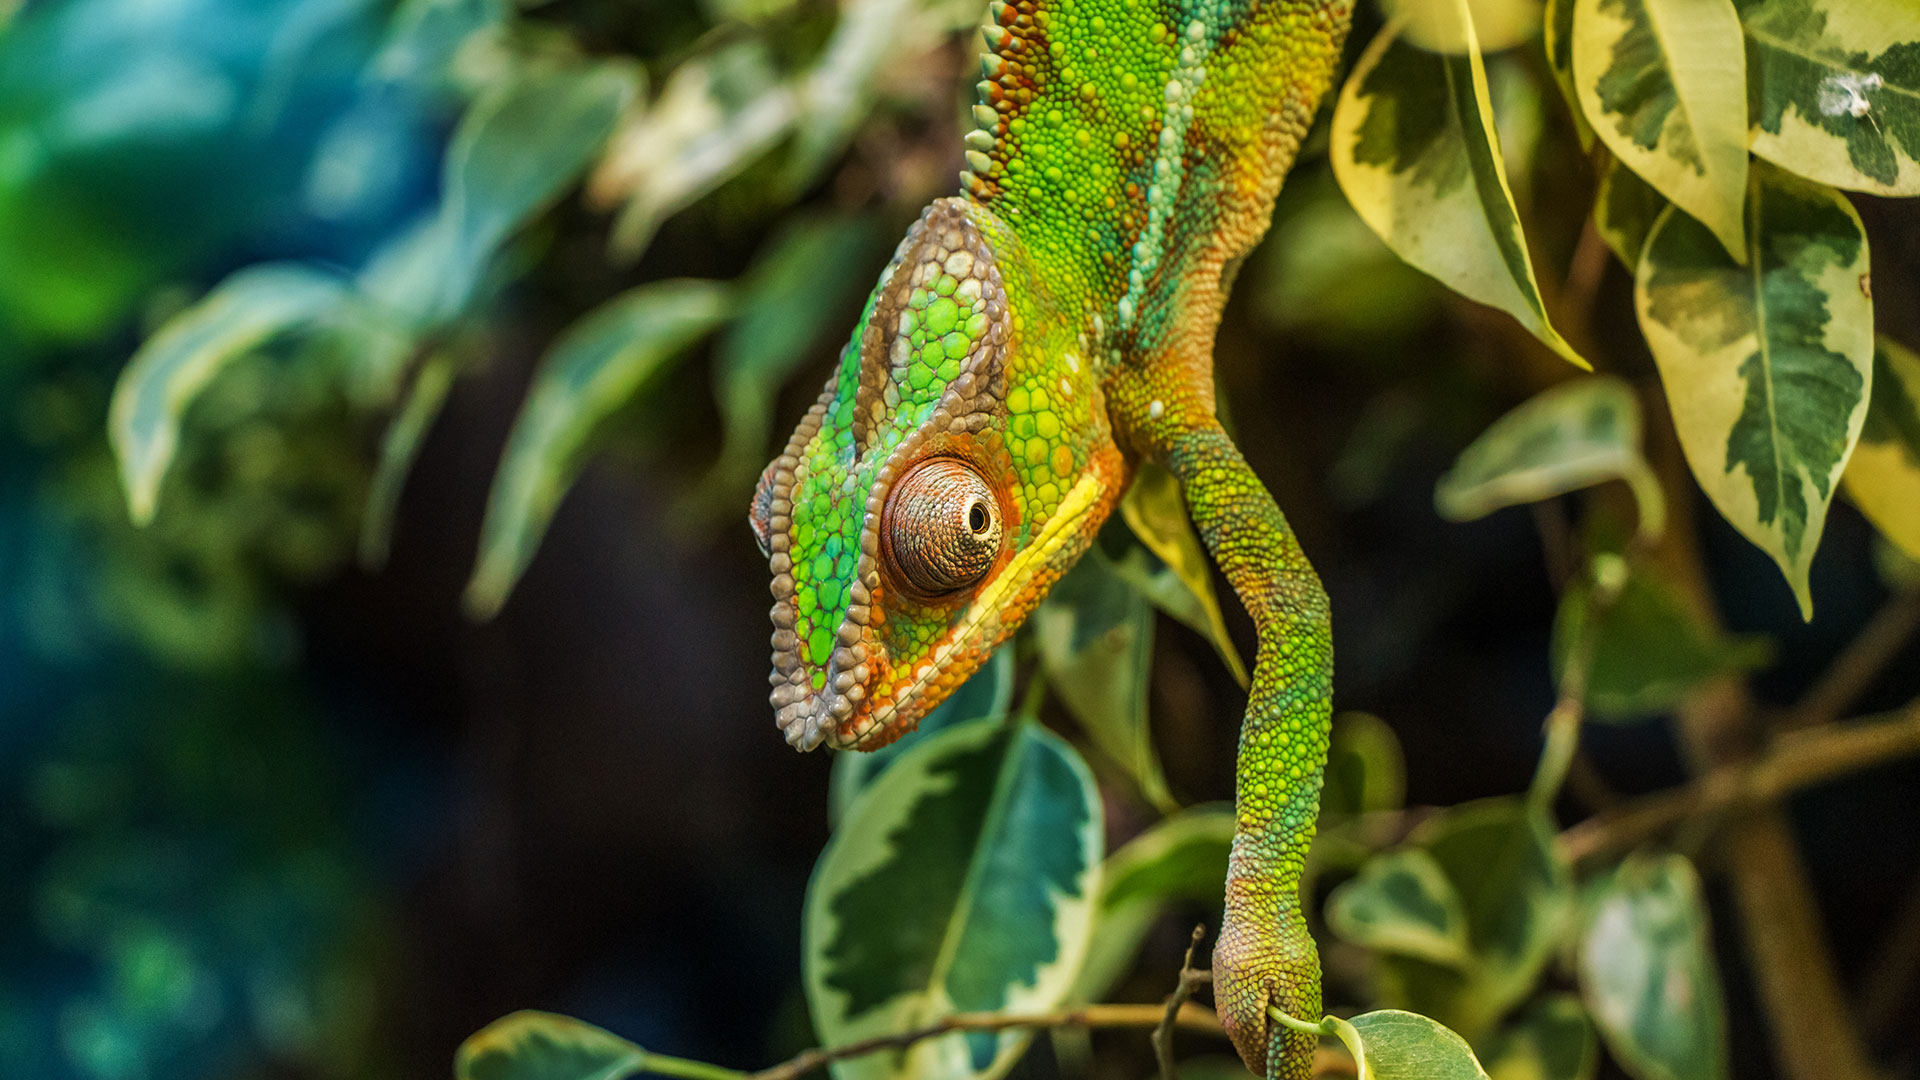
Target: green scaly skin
[[1037, 337]]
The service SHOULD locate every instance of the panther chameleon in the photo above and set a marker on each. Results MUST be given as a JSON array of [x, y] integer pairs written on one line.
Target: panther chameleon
[[1031, 341]]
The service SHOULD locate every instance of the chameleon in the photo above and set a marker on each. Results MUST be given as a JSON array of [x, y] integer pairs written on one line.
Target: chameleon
[[1033, 340]]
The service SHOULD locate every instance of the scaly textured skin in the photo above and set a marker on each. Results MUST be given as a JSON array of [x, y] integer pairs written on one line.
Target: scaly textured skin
[[1042, 333]]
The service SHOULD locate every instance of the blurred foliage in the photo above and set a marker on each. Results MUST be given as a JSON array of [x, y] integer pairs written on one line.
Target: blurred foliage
[[250, 251]]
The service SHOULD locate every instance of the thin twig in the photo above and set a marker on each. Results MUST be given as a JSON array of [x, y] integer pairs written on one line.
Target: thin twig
[[1191, 1018], [1190, 980], [1859, 663], [1796, 760]]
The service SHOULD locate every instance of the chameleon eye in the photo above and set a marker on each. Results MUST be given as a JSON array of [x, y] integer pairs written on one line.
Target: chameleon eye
[[941, 531]]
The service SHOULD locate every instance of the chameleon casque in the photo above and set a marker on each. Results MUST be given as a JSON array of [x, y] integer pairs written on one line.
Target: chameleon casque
[[1032, 340]]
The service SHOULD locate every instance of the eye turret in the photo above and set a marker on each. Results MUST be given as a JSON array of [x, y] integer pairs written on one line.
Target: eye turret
[[941, 530]]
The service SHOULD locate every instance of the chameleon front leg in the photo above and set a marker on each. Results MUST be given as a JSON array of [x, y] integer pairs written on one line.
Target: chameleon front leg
[[1265, 954]]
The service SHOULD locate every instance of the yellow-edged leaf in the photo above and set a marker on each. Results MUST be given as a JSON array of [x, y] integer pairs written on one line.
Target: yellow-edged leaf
[[1883, 476]]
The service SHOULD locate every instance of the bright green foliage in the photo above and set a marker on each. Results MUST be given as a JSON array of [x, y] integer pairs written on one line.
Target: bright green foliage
[[1416, 151], [1883, 476], [990, 835], [532, 1045], [1836, 90], [1577, 434], [1766, 365], [1649, 648], [1395, 1045], [1646, 971], [595, 367], [1552, 1040], [1663, 82]]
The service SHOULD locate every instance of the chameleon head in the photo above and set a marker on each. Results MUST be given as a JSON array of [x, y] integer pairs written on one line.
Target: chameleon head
[[957, 463]]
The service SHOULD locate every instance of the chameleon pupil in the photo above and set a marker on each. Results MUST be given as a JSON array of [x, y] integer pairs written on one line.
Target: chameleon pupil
[[940, 534]]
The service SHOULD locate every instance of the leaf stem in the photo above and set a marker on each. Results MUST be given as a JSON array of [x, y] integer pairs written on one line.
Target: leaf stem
[[687, 1068], [1278, 1017]]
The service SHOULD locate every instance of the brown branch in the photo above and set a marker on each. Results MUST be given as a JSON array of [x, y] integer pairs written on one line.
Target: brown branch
[[1796, 760], [1191, 1017], [1859, 663], [1189, 981]]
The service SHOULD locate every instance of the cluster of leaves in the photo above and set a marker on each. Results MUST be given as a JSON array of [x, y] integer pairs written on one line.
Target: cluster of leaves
[[1716, 165], [1719, 132]]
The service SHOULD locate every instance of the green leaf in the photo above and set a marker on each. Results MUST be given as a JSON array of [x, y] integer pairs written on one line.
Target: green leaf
[[1415, 149], [1497, 24], [516, 150], [1182, 857], [398, 449], [1651, 649], [1553, 1041], [1157, 513], [1366, 770], [716, 114], [1766, 366], [988, 694], [596, 366], [1394, 1045], [1402, 903], [424, 38], [248, 310], [1517, 894], [1646, 972], [1556, 27], [530, 1045], [962, 880], [1624, 210], [794, 293], [1579, 433], [1883, 476], [1663, 82], [1836, 90], [1096, 642]]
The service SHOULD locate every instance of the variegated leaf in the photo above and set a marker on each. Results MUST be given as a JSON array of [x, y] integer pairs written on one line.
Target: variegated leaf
[[1574, 435], [1415, 150], [1497, 24], [1647, 972], [530, 1045], [1402, 903], [1837, 90], [1663, 82], [1556, 31], [1096, 641], [246, 311], [1624, 210], [1766, 366], [1883, 477], [962, 880]]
